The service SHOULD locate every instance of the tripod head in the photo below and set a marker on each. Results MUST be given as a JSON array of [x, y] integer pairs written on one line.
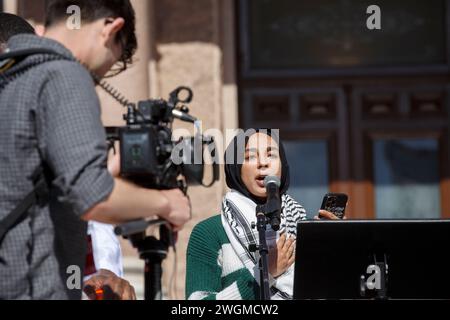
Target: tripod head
[[152, 250]]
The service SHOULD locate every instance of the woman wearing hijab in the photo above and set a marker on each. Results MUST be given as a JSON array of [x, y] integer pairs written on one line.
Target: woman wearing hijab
[[219, 263]]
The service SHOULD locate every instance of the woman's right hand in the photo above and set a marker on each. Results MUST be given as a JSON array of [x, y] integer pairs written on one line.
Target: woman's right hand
[[282, 256]]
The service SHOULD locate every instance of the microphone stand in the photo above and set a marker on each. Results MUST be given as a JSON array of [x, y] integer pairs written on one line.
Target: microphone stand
[[261, 223]]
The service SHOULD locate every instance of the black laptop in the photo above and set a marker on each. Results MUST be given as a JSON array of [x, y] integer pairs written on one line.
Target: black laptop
[[376, 259]]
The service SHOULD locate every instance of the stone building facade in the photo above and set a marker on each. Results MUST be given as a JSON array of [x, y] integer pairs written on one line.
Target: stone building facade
[[363, 112]]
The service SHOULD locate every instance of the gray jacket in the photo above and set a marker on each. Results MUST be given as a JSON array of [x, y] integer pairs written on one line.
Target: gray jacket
[[49, 117]]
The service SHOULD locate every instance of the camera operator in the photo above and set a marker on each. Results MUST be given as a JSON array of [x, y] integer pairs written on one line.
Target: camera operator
[[51, 120], [104, 262]]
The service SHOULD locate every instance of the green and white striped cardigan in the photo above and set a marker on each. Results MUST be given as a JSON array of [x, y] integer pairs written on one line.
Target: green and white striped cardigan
[[213, 271]]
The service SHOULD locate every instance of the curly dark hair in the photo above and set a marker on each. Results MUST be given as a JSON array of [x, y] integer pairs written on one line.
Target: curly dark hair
[[91, 10]]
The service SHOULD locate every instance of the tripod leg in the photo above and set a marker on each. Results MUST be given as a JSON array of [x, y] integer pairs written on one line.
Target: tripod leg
[[153, 275]]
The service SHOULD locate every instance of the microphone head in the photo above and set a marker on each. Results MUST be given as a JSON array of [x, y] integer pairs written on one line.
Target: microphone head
[[183, 116], [272, 179]]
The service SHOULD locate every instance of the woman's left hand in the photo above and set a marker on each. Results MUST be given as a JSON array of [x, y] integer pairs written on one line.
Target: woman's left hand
[[326, 215]]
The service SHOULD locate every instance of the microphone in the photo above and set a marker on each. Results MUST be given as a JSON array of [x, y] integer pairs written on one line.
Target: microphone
[[183, 116], [273, 203]]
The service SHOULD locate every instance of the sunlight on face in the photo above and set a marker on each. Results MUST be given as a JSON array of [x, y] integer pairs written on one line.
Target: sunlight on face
[[262, 158]]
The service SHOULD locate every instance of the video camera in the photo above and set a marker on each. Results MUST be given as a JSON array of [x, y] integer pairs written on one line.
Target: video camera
[[147, 151], [151, 159]]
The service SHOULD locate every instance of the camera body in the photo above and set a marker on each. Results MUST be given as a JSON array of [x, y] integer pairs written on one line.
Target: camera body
[[147, 149]]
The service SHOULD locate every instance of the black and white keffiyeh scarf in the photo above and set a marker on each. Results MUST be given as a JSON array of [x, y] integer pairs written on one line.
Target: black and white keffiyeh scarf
[[238, 213]]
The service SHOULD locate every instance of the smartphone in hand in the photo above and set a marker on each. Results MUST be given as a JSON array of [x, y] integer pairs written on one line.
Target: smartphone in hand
[[335, 203]]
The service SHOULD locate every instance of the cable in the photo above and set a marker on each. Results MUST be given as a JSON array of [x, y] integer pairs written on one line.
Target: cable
[[114, 93]]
